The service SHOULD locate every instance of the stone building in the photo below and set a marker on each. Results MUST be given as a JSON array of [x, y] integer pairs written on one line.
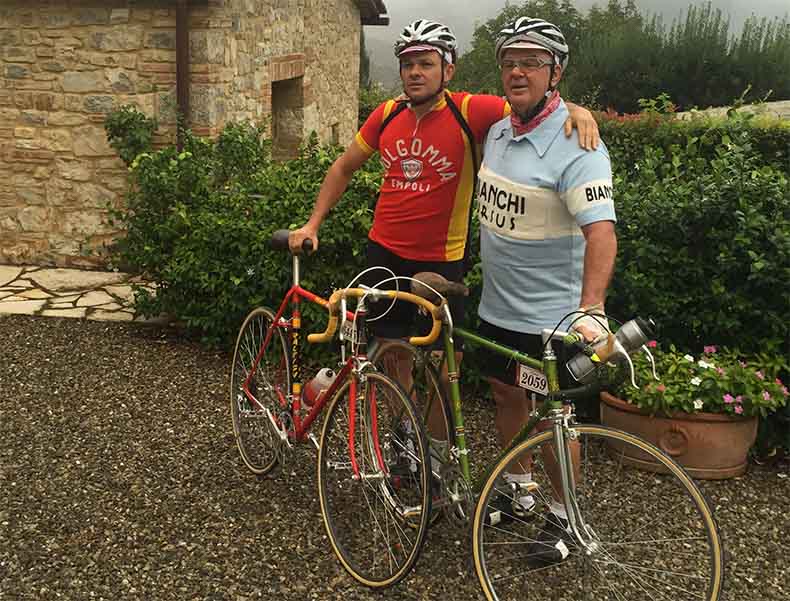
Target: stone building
[[64, 64]]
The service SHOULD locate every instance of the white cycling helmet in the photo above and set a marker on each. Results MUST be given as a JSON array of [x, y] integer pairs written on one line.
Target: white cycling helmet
[[525, 32], [423, 35]]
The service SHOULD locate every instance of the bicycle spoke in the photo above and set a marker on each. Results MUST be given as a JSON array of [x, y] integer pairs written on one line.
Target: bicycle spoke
[[257, 439], [366, 513], [636, 553]]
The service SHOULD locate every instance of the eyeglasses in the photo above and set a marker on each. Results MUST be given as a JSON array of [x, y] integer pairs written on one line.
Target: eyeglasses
[[531, 63]]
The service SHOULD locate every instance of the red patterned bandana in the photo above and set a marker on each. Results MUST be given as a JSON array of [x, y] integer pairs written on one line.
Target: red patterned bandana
[[520, 128]]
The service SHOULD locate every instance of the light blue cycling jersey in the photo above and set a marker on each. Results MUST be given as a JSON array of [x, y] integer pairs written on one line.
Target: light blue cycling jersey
[[536, 192]]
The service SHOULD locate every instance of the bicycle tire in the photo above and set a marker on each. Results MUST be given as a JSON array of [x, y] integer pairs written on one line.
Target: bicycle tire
[[256, 438], [682, 559], [364, 520]]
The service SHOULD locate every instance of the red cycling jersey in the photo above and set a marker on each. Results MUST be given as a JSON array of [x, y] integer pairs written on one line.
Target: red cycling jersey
[[422, 212]]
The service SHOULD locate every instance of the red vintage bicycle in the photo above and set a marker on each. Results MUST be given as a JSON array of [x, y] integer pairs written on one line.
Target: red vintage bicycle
[[373, 477]]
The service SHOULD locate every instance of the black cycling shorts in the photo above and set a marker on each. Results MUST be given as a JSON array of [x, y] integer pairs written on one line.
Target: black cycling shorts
[[402, 319], [505, 369]]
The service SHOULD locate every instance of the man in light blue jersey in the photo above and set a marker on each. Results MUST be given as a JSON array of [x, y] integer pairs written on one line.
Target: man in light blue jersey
[[547, 241]]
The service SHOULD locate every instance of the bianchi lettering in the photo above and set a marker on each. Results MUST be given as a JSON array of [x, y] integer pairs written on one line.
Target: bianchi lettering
[[594, 193], [499, 207], [414, 156]]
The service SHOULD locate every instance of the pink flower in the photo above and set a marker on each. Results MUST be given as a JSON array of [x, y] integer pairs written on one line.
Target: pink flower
[[652, 343], [738, 409], [785, 391], [709, 349], [760, 375], [766, 395], [778, 382], [720, 371], [661, 388], [739, 399], [742, 363], [728, 398]]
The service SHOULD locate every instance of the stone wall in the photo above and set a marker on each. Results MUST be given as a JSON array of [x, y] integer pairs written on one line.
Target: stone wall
[[64, 64]]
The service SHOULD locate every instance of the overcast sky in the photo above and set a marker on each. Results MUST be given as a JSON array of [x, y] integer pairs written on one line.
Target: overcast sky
[[463, 15]]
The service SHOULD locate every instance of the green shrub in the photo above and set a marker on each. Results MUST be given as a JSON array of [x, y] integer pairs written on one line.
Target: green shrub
[[704, 233], [198, 224], [703, 211], [129, 132]]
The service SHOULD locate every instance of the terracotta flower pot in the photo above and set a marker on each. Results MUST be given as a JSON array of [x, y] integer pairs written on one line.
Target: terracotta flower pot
[[710, 446]]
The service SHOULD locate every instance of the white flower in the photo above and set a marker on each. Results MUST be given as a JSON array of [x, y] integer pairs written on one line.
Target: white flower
[[689, 358], [698, 404], [250, 271], [705, 365], [696, 381]]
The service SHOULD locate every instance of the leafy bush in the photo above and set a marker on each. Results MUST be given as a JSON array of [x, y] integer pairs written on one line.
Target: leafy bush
[[704, 232], [198, 224], [619, 54], [129, 132]]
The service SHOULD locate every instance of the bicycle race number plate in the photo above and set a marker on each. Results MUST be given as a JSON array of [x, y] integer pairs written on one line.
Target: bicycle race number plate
[[532, 379]]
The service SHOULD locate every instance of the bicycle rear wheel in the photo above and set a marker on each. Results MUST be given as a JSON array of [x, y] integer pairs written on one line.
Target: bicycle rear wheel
[[256, 436], [656, 537], [377, 521]]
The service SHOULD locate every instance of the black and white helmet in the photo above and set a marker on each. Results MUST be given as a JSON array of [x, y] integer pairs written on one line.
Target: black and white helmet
[[526, 32], [423, 34]]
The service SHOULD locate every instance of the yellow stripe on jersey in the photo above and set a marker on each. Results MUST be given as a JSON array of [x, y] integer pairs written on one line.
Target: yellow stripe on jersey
[[363, 144], [459, 220], [388, 109]]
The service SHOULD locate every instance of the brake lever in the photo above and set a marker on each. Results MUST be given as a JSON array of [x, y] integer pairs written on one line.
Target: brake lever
[[620, 351], [652, 361]]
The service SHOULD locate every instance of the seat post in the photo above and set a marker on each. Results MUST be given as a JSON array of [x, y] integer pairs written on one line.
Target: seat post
[[295, 269]]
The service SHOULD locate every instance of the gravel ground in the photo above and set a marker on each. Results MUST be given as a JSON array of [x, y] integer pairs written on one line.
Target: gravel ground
[[119, 479]]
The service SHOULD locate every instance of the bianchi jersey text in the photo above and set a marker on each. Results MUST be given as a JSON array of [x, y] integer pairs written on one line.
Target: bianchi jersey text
[[522, 212]]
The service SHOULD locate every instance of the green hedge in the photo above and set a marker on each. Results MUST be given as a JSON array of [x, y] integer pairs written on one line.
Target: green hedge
[[704, 229], [703, 212]]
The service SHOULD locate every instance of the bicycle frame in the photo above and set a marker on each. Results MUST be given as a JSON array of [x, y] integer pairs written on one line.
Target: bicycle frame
[[552, 408], [293, 399], [553, 404]]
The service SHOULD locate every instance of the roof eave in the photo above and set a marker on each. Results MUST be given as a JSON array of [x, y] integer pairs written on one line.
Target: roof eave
[[373, 12]]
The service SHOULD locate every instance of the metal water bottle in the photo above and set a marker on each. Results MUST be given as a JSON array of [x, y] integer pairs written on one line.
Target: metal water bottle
[[631, 335], [316, 387]]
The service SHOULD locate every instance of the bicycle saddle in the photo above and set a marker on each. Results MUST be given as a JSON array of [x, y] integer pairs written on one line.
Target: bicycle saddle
[[439, 283]]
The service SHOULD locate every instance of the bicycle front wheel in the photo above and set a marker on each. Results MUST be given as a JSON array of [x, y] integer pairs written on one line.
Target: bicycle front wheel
[[654, 535], [270, 383], [376, 517]]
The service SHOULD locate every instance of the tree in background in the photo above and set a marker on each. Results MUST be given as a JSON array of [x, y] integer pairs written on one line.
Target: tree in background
[[619, 55], [475, 73]]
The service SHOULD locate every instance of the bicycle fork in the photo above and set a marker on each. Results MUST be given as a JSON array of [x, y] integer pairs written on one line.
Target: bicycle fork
[[563, 435]]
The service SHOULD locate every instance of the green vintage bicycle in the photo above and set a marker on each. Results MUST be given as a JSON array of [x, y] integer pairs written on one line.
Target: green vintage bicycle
[[628, 534]]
